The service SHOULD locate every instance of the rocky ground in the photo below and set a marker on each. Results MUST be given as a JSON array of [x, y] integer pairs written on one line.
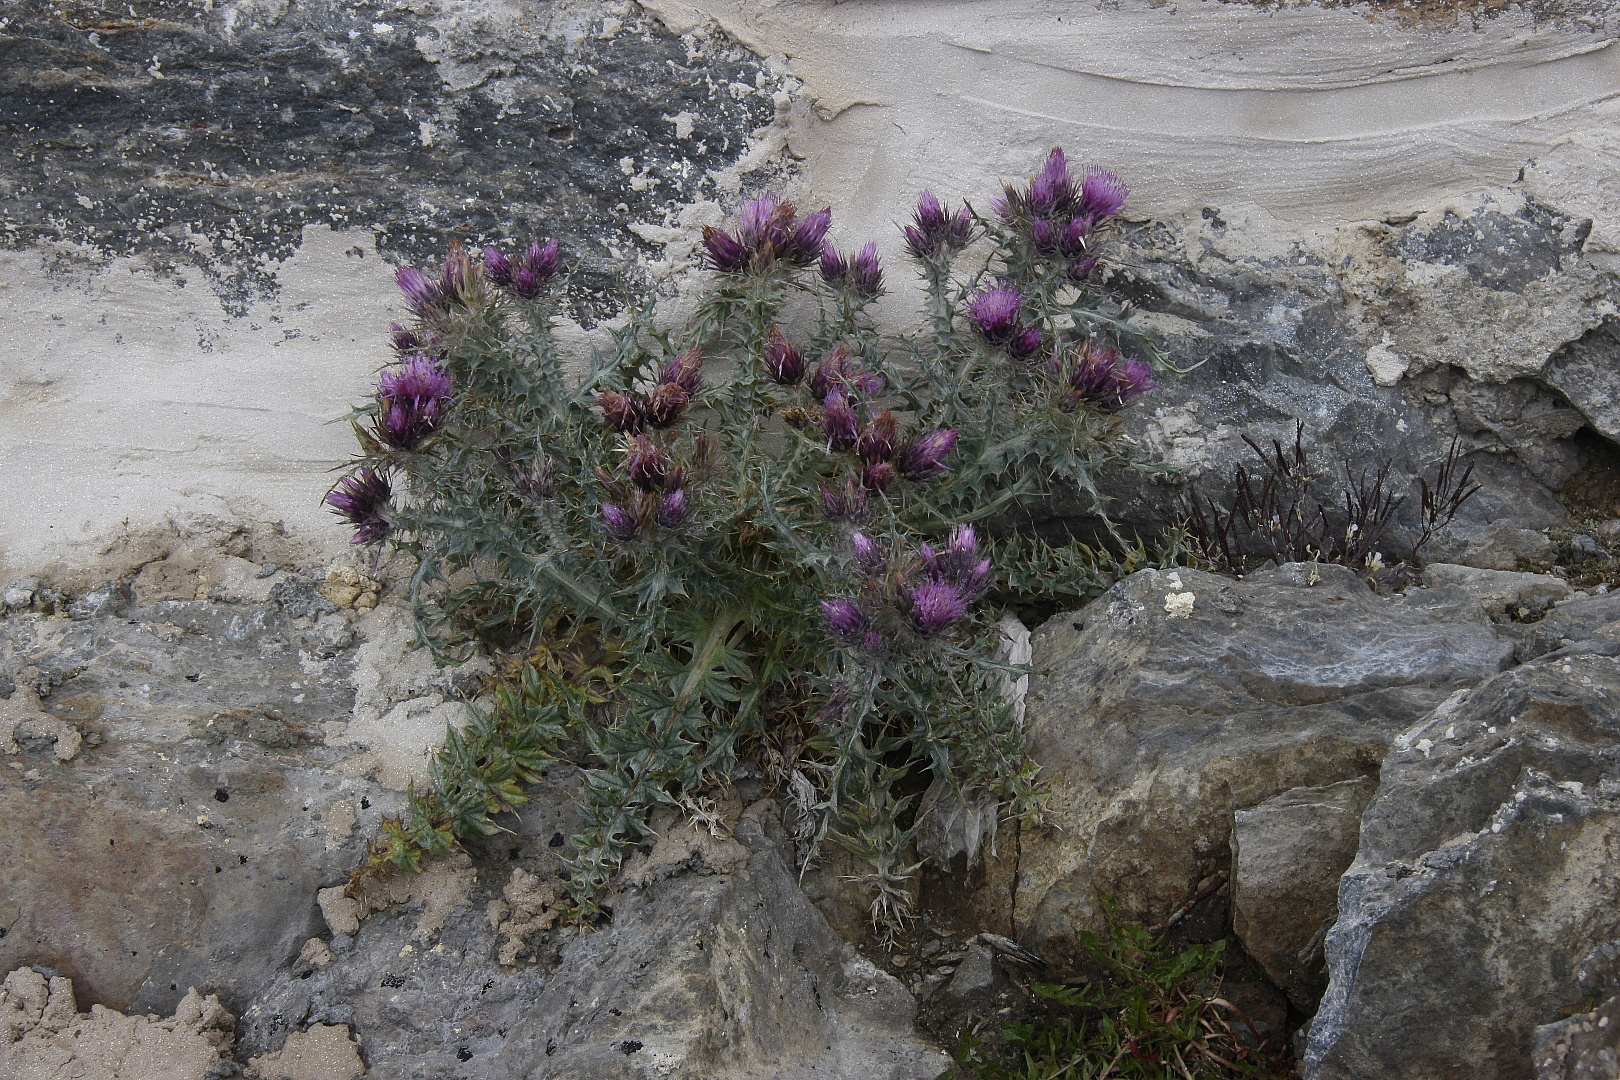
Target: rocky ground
[[1399, 810]]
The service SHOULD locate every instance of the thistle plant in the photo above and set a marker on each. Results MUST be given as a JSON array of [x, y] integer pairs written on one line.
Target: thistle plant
[[774, 517]]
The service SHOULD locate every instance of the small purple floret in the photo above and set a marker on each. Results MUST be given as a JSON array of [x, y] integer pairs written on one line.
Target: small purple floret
[[685, 371], [783, 361], [411, 402], [838, 421], [673, 509], [850, 504], [421, 293], [868, 555], [924, 457], [1102, 193], [624, 413], [621, 525], [846, 622], [994, 312], [935, 605], [362, 500]]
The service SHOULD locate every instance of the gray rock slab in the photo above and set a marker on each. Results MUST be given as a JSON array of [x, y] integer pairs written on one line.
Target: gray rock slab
[[731, 975], [1178, 698], [184, 843], [1485, 875], [1287, 855]]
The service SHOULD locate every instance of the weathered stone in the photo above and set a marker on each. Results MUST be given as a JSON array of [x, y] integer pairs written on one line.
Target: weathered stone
[[1287, 855], [43, 1036], [1484, 876], [1500, 545], [1585, 1046], [1151, 730], [1570, 622], [319, 1052], [1587, 372], [1503, 593], [186, 847], [728, 975]]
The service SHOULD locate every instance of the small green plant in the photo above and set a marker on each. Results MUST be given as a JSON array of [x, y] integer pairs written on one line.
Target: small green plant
[[766, 517], [1153, 1015]]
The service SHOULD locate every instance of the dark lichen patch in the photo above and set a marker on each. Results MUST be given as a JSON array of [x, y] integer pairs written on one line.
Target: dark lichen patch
[[209, 136], [1500, 251]]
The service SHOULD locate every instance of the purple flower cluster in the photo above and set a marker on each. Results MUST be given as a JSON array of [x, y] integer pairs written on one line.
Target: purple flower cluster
[[628, 412], [860, 274], [943, 583], [875, 440], [1060, 211], [656, 496], [933, 232], [362, 500], [996, 312], [411, 402], [458, 285], [769, 232], [928, 596], [527, 276], [1101, 377]]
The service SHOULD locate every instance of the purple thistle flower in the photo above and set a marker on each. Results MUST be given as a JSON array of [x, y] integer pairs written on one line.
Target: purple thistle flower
[[361, 500], [866, 273], [458, 281], [924, 457], [1102, 194], [880, 476], [668, 402], [1101, 377], [934, 606], [621, 525], [497, 267], [880, 438], [1072, 245], [805, 246], [1052, 191], [868, 555], [421, 294], [958, 564], [543, 259], [1045, 234], [411, 402], [838, 421], [673, 509], [1025, 345], [933, 231], [783, 361], [1079, 270], [647, 465], [834, 267], [846, 622], [723, 251], [1135, 378], [624, 413], [685, 371], [851, 504], [994, 310], [406, 341]]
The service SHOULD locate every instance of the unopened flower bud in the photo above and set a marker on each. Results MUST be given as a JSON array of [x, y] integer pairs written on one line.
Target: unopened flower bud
[[783, 362], [673, 509], [668, 402], [868, 555], [624, 413], [621, 525]]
